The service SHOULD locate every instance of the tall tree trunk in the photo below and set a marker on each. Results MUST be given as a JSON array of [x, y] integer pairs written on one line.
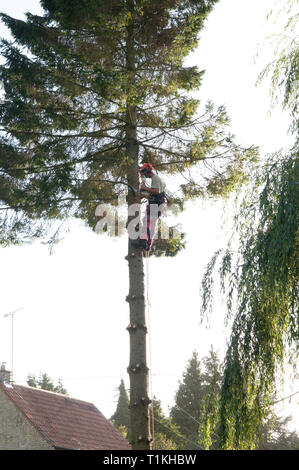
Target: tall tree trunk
[[138, 371]]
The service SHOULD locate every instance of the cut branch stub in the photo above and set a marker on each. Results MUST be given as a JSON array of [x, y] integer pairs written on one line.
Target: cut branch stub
[[133, 327]]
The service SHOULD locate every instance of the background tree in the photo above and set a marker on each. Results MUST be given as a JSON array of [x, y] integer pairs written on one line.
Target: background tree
[[121, 417], [206, 400], [260, 278], [274, 432], [276, 435], [188, 401], [92, 89], [210, 403], [46, 383], [167, 434]]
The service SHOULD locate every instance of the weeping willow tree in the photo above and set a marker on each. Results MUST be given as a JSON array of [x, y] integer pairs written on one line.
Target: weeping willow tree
[[261, 284], [284, 70], [259, 279]]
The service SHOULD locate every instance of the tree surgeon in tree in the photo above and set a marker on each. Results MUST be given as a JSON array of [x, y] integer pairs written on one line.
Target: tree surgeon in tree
[[157, 202], [91, 90]]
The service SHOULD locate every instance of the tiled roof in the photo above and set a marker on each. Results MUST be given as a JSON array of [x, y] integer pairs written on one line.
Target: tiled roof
[[66, 422]]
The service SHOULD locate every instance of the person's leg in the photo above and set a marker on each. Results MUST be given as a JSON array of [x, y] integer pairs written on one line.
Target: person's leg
[[153, 213], [145, 224], [151, 227], [149, 224], [142, 242], [154, 219]]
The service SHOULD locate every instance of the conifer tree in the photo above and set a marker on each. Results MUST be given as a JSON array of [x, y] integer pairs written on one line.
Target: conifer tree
[[92, 89], [166, 433], [276, 434], [210, 403], [45, 382], [121, 416], [188, 402]]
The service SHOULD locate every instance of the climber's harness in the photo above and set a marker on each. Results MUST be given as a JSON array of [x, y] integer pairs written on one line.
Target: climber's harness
[[160, 198]]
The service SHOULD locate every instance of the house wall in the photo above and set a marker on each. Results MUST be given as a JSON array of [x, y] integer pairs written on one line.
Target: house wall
[[16, 431]]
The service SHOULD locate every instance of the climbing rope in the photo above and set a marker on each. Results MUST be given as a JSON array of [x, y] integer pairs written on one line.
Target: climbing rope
[[150, 349]]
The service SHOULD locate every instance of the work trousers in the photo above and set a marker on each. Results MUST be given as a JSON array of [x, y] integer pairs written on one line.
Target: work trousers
[[154, 209]]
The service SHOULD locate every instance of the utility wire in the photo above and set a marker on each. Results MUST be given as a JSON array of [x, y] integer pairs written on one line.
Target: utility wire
[[79, 378], [282, 399], [186, 413], [103, 377], [179, 435]]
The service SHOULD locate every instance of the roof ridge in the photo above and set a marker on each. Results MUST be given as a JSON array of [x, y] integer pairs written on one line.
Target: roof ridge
[[52, 392]]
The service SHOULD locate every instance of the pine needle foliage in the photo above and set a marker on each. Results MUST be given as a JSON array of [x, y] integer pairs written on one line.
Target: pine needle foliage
[[121, 417], [91, 90], [45, 382]]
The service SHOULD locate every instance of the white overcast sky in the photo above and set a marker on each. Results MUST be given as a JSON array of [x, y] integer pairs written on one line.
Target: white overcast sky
[[74, 320]]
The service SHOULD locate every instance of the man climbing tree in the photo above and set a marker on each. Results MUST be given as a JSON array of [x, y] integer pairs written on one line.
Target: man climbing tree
[[156, 204], [92, 90]]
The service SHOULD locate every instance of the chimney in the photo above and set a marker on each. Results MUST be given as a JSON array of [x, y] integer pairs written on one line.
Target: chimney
[[5, 375]]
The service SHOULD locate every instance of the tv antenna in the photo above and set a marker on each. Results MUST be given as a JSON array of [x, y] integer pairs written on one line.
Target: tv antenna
[[6, 315]]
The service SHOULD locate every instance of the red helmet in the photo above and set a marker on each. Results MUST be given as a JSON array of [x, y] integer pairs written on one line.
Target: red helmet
[[146, 168]]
